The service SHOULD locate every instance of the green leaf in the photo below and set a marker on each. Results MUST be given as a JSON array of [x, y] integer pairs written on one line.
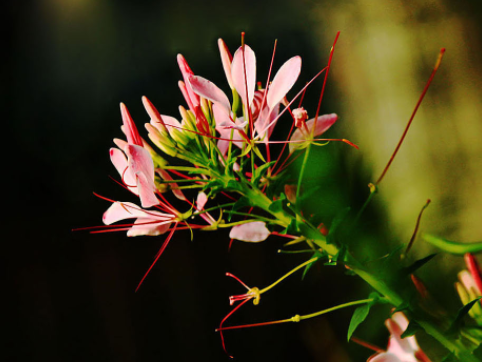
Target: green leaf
[[413, 327], [308, 267], [418, 264], [452, 246], [242, 202], [260, 171], [461, 314], [358, 317], [277, 206]]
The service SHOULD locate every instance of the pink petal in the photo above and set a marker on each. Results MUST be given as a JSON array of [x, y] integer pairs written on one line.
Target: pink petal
[[127, 210], [166, 176], [201, 200], [221, 115], [226, 59], [255, 231], [322, 125], [244, 78], [474, 269], [209, 90], [119, 160], [130, 129], [385, 357], [186, 73], [185, 94], [141, 164], [146, 226], [283, 81]]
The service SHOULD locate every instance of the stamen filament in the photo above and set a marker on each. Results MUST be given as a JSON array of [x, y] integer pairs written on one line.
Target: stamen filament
[[298, 318]]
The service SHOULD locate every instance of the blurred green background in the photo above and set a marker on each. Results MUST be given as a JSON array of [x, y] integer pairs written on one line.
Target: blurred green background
[[67, 66]]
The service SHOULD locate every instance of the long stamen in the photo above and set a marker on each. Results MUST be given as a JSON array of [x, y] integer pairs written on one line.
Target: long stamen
[[159, 253], [427, 85], [298, 318], [324, 81], [220, 329], [290, 103]]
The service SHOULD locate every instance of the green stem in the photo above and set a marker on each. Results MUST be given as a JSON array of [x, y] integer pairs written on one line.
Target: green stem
[[302, 171], [312, 260]]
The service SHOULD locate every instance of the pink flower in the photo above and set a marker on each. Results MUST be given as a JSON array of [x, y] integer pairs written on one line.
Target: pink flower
[[134, 163], [307, 134], [147, 222], [400, 350], [241, 75]]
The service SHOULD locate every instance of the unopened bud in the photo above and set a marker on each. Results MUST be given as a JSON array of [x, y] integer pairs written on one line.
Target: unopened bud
[[300, 115]]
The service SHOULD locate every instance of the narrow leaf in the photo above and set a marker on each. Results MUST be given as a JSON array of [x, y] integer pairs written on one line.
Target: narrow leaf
[[358, 317], [418, 264], [461, 314]]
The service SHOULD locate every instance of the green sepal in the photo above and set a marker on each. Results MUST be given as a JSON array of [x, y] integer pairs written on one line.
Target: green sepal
[[452, 246], [260, 172], [291, 229], [412, 328], [242, 202], [259, 154]]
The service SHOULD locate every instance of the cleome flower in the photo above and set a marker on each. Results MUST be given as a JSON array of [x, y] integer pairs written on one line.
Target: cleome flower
[[147, 222], [400, 349]]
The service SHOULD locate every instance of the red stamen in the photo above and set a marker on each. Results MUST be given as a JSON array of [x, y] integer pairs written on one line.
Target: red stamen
[[239, 280], [159, 253], [427, 85], [324, 81], [220, 329], [367, 345]]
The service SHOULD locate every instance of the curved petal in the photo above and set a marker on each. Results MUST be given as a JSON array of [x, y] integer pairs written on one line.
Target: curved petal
[[150, 227], [127, 210], [186, 73], [283, 81], [226, 59], [201, 200], [384, 357], [166, 176], [255, 231], [209, 90], [142, 166], [244, 76], [130, 129], [118, 159], [221, 115]]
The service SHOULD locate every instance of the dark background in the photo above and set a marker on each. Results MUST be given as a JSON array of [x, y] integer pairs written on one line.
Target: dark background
[[71, 294]]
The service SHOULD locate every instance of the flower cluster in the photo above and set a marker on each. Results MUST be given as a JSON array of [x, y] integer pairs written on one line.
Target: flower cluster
[[219, 148]]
